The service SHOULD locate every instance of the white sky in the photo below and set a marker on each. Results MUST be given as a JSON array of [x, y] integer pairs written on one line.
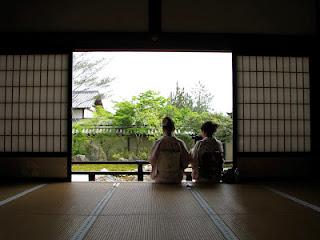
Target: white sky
[[136, 72]]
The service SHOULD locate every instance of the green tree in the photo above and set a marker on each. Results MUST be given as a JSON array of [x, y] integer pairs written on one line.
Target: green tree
[[148, 108], [202, 98], [180, 98], [125, 114]]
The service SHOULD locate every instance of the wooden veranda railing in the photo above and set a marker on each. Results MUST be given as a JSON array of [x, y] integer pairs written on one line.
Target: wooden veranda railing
[[140, 173]]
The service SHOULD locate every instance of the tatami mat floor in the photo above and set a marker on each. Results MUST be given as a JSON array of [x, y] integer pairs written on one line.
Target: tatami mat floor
[[149, 211]]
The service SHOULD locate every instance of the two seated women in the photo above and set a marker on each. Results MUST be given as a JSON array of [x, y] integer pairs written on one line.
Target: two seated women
[[169, 156]]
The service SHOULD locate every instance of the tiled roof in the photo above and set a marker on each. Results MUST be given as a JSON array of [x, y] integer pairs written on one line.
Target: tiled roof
[[83, 99]]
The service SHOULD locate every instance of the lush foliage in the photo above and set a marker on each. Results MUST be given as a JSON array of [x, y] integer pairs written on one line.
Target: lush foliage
[[141, 117], [98, 167]]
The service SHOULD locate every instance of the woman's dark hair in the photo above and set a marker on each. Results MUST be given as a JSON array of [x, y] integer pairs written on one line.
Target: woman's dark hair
[[168, 124], [209, 128]]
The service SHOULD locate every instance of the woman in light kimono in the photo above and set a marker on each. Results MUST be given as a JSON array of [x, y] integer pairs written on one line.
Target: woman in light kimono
[[207, 155], [169, 156]]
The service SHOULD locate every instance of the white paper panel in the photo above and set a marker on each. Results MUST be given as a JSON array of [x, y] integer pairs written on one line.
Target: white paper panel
[[22, 144], [36, 143], [281, 145], [294, 111], [274, 144], [293, 80], [273, 79], [8, 111], [307, 128], [246, 95], [15, 143], [64, 78], [274, 95], [294, 127], [7, 140], [3, 78], [15, 129], [49, 147], [293, 64], [3, 62], [286, 80], [274, 127], [259, 63], [294, 97], [22, 127], [50, 127], [43, 127], [245, 63], [57, 127], [1, 127], [14, 110], [240, 144], [287, 144], [63, 144], [254, 127], [281, 88], [8, 94], [2, 143], [273, 64], [267, 79], [281, 127], [261, 127], [307, 112], [240, 111], [246, 147], [260, 144], [254, 144], [36, 101], [36, 127], [252, 63], [29, 127], [287, 127], [43, 112], [57, 143], [246, 79], [64, 127], [280, 79], [247, 109], [253, 79], [267, 95], [267, 111], [267, 143], [266, 64], [260, 97], [260, 80], [306, 81], [240, 127], [240, 95], [267, 127], [29, 144], [247, 130], [36, 79], [2, 111], [254, 111], [43, 145]]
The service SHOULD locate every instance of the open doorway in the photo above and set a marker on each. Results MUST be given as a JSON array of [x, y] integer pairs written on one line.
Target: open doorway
[[119, 99]]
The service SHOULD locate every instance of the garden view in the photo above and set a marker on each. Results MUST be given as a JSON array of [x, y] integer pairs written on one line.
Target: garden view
[[127, 130]]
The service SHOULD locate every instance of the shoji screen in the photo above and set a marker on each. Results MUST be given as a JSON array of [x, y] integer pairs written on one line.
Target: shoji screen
[[33, 103], [273, 104]]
